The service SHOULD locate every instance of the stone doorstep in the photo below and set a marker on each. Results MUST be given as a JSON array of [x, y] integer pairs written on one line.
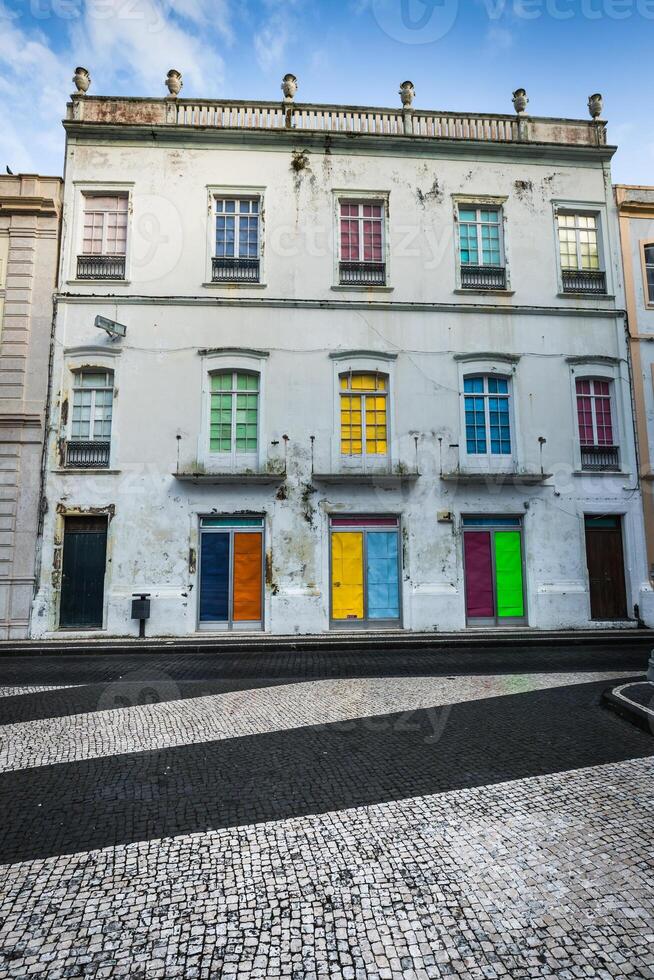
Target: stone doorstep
[[335, 641], [633, 701]]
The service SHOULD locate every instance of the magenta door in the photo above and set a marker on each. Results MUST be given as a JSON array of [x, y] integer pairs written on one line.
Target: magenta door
[[480, 601]]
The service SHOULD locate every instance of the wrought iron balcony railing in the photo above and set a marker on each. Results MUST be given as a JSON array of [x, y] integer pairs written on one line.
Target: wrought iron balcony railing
[[234, 270], [600, 458], [100, 266], [584, 281], [483, 277], [362, 273], [88, 454]]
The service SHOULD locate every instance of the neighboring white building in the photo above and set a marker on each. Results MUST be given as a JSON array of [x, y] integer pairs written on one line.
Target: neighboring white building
[[30, 207], [375, 373]]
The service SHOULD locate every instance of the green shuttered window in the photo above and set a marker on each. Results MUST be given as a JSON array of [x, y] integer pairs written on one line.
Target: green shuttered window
[[234, 423]]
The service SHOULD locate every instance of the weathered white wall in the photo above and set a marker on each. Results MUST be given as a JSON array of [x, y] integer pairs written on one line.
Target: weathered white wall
[[159, 379]]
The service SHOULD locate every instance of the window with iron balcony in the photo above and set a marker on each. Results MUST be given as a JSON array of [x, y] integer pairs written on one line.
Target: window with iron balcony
[[361, 231], [579, 251], [481, 252], [597, 441], [237, 252], [89, 442], [104, 243]]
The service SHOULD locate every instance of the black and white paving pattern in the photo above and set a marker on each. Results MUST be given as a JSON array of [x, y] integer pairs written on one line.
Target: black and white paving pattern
[[344, 815]]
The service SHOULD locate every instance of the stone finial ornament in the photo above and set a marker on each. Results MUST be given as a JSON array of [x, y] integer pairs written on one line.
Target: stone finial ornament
[[595, 105], [520, 101], [82, 80], [174, 82], [407, 93], [289, 87]]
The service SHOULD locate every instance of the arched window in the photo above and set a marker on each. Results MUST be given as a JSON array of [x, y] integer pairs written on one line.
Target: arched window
[[364, 414], [89, 442], [234, 421], [93, 396], [487, 415], [597, 435]]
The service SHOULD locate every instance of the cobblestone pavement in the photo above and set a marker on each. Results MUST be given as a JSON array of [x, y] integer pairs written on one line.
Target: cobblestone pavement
[[329, 816]]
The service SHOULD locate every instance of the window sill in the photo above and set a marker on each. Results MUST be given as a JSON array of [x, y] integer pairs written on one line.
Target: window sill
[[371, 288], [607, 297], [235, 285], [465, 291], [496, 477], [622, 474], [367, 479], [252, 479], [84, 469], [96, 282]]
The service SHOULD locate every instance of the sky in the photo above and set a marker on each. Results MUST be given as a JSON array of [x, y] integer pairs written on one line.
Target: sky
[[462, 55]]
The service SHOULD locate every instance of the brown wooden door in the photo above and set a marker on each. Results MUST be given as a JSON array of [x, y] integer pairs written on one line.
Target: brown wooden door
[[605, 559]]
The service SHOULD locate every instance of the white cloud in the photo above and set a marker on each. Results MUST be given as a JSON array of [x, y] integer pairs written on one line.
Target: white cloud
[[276, 32], [127, 45]]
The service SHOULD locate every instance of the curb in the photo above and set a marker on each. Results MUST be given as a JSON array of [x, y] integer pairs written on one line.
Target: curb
[[617, 699], [327, 643]]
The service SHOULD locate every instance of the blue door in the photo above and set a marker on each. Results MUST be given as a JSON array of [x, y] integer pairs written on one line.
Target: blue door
[[383, 585], [214, 578]]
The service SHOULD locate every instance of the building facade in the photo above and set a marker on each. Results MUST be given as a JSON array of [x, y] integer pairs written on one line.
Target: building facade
[[30, 208], [636, 218], [354, 368]]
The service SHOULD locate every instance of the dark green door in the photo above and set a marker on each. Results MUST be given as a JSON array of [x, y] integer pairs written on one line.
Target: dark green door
[[82, 580]]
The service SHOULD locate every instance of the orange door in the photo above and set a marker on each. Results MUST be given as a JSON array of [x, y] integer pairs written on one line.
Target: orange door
[[247, 577]]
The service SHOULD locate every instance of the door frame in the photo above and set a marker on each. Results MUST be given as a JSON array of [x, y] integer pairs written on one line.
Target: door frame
[[229, 624], [622, 518], [365, 623], [496, 622], [109, 512], [60, 534]]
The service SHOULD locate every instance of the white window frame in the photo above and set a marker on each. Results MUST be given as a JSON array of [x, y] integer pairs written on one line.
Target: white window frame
[[602, 369], [501, 366], [361, 197], [363, 362], [645, 243], [76, 388], [99, 189], [224, 360], [233, 392], [479, 224], [593, 402], [231, 193], [598, 211], [482, 202], [90, 358], [104, 251]]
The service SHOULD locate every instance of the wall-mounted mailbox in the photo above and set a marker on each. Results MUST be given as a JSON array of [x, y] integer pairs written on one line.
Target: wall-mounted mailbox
[[141, 607]]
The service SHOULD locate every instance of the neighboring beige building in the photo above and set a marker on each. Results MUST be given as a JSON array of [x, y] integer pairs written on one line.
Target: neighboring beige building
[[30, 211], [636, 216]]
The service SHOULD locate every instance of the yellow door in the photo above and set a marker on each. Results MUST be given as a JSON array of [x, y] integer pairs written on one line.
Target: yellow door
[[347, 575]]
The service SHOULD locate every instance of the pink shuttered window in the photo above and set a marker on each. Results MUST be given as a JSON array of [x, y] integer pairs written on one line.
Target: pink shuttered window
[[361, 232], [105, 225], [594, 412]]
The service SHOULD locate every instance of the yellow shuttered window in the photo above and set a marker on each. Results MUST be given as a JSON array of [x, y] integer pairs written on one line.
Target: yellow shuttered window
[[364, 425]]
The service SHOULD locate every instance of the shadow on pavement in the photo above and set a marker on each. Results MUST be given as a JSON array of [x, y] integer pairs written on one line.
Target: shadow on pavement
[[115, 800]]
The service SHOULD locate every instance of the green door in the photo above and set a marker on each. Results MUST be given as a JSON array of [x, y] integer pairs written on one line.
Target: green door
[[82, 579]]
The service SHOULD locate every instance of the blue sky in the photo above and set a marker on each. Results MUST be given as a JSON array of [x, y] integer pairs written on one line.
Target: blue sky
[[460, 54]]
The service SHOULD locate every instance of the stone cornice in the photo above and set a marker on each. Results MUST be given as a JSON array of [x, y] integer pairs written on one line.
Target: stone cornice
[[10, 204], [389, 306], [350, 143]]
